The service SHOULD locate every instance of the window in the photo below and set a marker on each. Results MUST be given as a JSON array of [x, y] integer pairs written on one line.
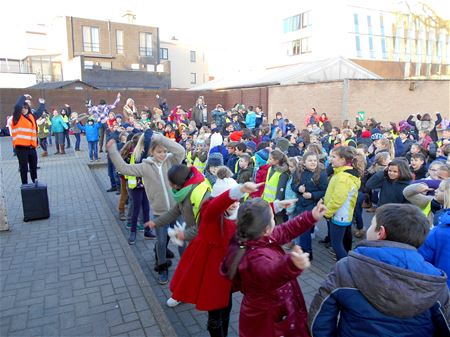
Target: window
[[193, 78], [300, 46], [370, 30], [88, 64], [119, 41], [91, 41], [383, 38], [357, 38], [163, 53], [105, 65], [193, 56], [145, 44], [358, 46], [150, 67], [296, 22]]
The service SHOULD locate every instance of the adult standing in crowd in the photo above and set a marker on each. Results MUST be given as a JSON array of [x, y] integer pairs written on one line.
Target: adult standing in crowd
[[198, 114], [24, 136]]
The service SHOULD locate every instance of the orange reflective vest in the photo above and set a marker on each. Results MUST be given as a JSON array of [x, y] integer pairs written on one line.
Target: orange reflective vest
[[24, 132]]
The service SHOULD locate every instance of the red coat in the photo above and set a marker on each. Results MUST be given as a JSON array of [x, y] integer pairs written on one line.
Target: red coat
[[197, 279], [260, 177], [273, 303]]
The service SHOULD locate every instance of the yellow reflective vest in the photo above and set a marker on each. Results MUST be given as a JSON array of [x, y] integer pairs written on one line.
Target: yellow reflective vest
[[197, 197], [132, 180], [199, 165], [270, 189]]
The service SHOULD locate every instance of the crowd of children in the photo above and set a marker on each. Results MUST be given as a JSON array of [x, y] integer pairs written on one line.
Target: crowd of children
[[245, 196]]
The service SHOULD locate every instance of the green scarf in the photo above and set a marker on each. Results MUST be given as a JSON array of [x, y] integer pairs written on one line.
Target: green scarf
[[180, 195]]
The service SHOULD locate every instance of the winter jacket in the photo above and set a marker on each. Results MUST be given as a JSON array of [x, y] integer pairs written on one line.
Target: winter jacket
[[245, 175], [340, 197], [273, 304], [91, 131], [44, 126], [317, 190], [260, 177], [391, 191], [412, 194], [58, 124], [402, 148], [156, 183], [250, 120], [383, 288], [74, 122], [197, 279], [219, 117], [231, 163], [197, 114], [420, 173], [436, 248], [426, 125], [185, 209]]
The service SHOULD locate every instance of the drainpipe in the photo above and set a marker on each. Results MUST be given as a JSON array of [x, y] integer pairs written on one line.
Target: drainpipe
[[345, 92]]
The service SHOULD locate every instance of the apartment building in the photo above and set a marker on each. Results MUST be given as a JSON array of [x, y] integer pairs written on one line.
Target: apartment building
[[392, 39], [188, 63]]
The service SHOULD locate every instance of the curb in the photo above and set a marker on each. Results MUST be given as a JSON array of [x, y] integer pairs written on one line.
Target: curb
[[148, 293]]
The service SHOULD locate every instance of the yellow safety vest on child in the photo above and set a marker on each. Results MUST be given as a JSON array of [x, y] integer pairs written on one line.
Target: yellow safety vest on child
[[270, 189]]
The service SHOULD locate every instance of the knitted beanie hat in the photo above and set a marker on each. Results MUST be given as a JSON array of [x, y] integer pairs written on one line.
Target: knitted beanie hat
[[282, 144], [214, 159]]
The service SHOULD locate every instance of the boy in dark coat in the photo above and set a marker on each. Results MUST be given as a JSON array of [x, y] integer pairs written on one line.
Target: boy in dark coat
[[385, 287]]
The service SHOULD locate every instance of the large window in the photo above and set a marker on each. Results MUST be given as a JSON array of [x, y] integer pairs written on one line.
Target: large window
[[383, 38], [119, 41], [370, 30], [91, 40], [163, 53], [193, 78], [296, 22], [193, 56], [300, 46], [145, 44]]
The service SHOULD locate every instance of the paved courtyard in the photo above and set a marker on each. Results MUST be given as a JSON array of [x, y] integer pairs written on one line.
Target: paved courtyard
[[74, 274]]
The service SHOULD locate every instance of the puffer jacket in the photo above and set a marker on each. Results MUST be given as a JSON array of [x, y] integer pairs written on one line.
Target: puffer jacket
[[436, 248], [340, 197], [383, 288]]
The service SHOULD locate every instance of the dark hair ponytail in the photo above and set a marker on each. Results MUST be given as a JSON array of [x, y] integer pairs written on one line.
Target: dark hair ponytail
[[252, 219]]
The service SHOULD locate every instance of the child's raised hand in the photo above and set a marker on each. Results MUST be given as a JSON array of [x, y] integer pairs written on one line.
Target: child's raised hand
[[110, 144], [300, 259], [319, 211], [250, 187], [301, 189], [286, 203]]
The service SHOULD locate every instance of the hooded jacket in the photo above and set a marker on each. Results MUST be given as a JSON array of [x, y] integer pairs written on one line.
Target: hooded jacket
[[156, 182], [383, 288], [436, 248], [340, 197]]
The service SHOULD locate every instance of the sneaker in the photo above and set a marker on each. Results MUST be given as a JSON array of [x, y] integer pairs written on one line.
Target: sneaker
[[325, 240], [172, 303], [132, 238], [163, 276], [112, 189], [122, 216], [140, 228], [128, 226], [157, 267], [148, 234], [169, 254]]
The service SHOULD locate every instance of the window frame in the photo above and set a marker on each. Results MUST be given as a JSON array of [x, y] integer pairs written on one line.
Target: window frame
[[90, 46], [145, 50], [119, 46], [161, 53], [193, 59], [194, 77]]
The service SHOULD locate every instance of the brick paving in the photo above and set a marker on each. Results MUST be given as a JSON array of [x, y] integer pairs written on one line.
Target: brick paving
[[75, 274]]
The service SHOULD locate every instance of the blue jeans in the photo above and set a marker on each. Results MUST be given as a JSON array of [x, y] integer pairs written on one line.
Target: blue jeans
[[139, 201], [305, 242], [67, 137], [341, 239], [49, 138], [43, 143], [93, 150], [112, 174], [162, 240], [77, 141], [358, 211]]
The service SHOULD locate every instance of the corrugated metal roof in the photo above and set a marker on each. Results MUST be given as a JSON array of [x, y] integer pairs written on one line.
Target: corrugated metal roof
[[337, 68]]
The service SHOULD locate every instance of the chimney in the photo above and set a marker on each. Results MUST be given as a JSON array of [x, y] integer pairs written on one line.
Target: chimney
[[130, 17]]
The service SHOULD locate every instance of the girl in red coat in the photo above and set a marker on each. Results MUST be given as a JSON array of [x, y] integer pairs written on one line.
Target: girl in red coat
[[197, 278], [273, 303]]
